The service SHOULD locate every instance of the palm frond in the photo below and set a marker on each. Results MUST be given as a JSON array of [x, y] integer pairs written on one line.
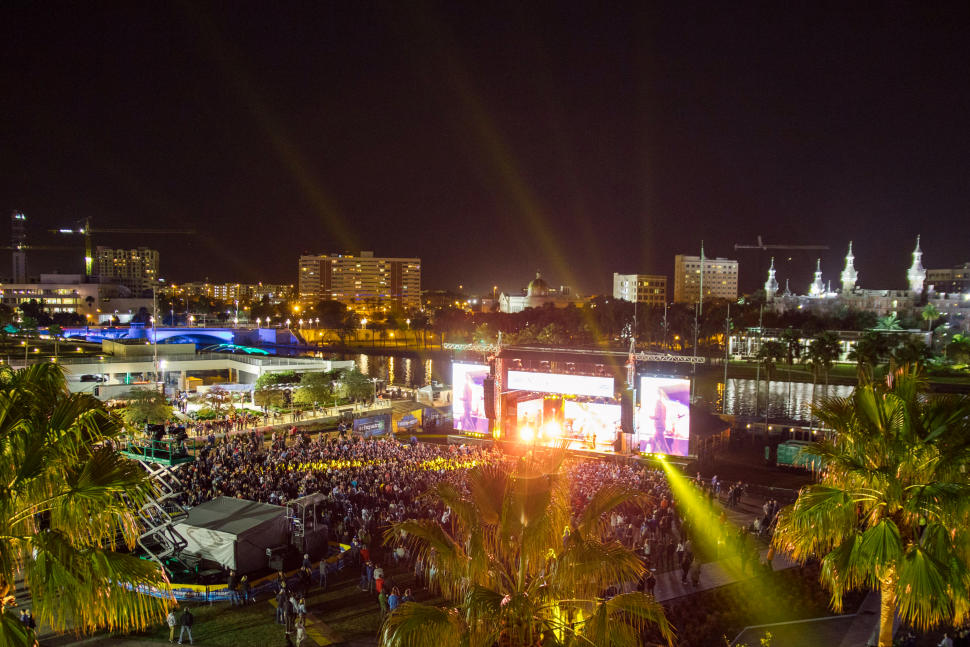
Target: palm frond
[[927, 587], [85, 589], [881, 543], [589, 566], [419, 625], [821, 518], [13, 633], [641, 611], [606, 499], [842, 571]]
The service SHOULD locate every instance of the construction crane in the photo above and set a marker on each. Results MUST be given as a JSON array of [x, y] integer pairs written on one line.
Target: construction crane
[[85, 229], [763, 247]]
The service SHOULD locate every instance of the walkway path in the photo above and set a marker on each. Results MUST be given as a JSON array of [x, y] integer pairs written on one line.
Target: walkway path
[[317, 631]]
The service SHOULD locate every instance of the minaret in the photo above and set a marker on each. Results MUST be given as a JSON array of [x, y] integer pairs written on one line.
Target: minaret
[[787, 292], [771, 285], [817, 288], [849, 275], [916, 273]]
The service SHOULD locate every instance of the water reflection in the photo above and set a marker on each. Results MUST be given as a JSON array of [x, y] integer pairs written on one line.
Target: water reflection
[[786, 400], [401, 371]]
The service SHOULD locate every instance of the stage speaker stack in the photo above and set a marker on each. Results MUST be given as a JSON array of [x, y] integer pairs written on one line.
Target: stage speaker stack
[[626, 421], [488, 386]]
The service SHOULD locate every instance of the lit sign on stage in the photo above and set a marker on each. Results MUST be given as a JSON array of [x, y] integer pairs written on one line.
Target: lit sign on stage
[[597, 387], [468, 393], [664, 415]]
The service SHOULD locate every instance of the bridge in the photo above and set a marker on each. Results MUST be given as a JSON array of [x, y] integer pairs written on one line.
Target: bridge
[[205, 336]]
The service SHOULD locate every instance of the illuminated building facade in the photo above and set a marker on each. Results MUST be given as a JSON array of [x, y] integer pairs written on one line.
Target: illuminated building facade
[[650, 289], [136, 269], [364, 281], [720, 278], [954, 280]]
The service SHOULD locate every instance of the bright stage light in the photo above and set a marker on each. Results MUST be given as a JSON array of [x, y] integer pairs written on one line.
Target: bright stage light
[[526, 434], [551, 430]]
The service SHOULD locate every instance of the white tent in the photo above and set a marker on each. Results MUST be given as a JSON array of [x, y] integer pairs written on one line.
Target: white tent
[[234, 533]]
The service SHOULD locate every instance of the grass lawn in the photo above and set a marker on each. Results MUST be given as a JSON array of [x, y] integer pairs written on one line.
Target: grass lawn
[[221, 625], [351, 616]]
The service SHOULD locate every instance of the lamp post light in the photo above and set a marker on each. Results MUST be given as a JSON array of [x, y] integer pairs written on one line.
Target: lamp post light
[[257, 321]]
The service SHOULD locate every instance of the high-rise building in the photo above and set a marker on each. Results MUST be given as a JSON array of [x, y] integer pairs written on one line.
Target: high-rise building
[[364, 281], [720, 278], [18, 240], [136, 269], [642, 288]]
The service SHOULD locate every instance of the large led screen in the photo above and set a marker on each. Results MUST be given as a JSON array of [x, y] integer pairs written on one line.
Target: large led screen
[[597, 387], [593, 422], [664, 420], [468, 397]]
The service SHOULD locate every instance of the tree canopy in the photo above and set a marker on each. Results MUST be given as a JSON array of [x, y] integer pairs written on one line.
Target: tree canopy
[[891, 507], [146, 405], [504, 561], [69, 501]]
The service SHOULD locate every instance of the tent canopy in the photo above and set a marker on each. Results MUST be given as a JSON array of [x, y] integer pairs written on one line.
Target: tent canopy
[[235, 533], [233, 516]]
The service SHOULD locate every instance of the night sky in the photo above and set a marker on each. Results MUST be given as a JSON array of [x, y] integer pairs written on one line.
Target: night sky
[[491, 140]]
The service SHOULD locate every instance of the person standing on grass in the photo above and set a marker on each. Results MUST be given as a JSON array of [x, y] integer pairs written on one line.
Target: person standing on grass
[[323, 574], [365, 575], [281, 598], [244, 588], [382, 600], [378, 578], [232, 585], [289, 608], [300, 631], [187, 620], [172, 621]]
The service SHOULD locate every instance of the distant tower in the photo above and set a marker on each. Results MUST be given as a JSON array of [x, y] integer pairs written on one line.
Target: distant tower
[[817, 288], [787, 292], [916, 273], [18, 240], [771, 285], [849, 275]]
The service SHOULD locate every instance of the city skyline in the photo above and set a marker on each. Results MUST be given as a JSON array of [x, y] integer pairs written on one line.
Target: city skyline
[[491, 142]]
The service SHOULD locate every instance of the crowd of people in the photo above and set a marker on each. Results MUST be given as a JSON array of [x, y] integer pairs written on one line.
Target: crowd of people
[[368, 484]]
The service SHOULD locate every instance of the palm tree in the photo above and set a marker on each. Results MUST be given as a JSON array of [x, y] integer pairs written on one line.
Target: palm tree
[[793, 350], [889, 323], [517, 579], [56, 332], [911, 351], [870, 350], [770, 353], [823, 350], [930, 314], [891, 506], [63, 510]]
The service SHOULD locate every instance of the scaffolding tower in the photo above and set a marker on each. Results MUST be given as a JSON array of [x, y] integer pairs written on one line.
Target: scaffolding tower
[[159, 538]]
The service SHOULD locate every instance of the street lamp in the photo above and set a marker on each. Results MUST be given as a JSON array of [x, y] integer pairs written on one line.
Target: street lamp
[[287, 323], [257, 321]]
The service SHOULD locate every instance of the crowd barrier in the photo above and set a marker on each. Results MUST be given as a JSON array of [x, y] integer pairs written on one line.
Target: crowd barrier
[[209, 593]]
